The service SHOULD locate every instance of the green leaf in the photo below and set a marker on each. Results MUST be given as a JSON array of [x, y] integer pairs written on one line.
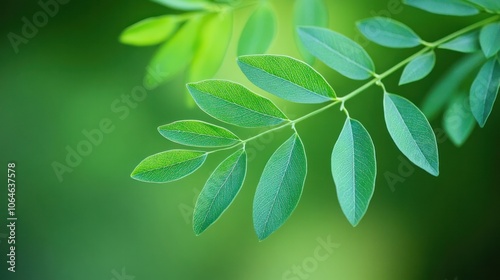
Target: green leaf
[[484, 90], [338, 52], [198, 134], [444, 7], [233, 103], [411, 132], [259, 31], [448, 85], [219, 191], [287, 78], [489, 39], [185, 5], [354, 170], [280, 187], [174, 55], [466, 43], [150, 31], [388, 32], [309, 13], [212, 45], [458, 121], [168, 166], [489, 5], [418, 68]]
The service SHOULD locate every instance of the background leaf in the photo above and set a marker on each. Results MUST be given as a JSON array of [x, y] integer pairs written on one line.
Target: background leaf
[[212, 45], [185, 5], [150, 31], [388, 32], [219, 191], [235, 104], [418, 68], [449, 83], [444, 7], [174, 55], [458, 121], [354, 170], [489, 39], [198, 133], [484, 90], [338, 52], [411, 132], [466, 43], [168, 166], [259, 31], [491, 5], [280, 187], [309, 13], [287, 78]]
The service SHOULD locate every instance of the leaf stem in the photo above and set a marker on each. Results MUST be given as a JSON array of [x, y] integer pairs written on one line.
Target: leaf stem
[[377, 80]]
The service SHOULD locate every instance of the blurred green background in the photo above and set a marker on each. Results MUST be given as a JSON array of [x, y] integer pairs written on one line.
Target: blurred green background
[[98, 223]]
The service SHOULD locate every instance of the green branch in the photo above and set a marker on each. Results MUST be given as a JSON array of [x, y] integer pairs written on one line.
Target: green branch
[[377, 80]]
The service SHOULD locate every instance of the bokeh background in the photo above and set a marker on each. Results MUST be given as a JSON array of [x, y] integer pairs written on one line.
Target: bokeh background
[[98, 223]]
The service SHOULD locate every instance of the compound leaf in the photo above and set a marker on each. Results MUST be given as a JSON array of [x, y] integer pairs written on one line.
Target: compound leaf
[[338, 52], [287, 78], [484, 90], [448, 85], [198, 134], [444, 7], [466, 43], [259, 31], [309, 13], [212, 46], [411, 132], [150, 31], [458, 121], [489, 38], [388, 32], [354, 170], [235, 104], [219, 191], [168, 166], [174, 55], [280, 187], [418, 68]]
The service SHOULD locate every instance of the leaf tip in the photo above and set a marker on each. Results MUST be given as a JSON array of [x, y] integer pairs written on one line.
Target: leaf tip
[[262, 236], [354, 223], [433, 170], [198, 230], [133, 175]]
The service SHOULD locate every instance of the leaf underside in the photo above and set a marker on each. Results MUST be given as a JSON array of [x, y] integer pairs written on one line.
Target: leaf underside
[[444, 7], [388, 32], [286, 78], [168, 166], [198, 134], [484, 90], [233, 103], [338, 52], [280, 187], [354, 170], [219, 191], [411, 132]]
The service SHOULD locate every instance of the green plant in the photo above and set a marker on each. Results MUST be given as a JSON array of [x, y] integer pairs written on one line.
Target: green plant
[[353, 161], [198, 32]]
